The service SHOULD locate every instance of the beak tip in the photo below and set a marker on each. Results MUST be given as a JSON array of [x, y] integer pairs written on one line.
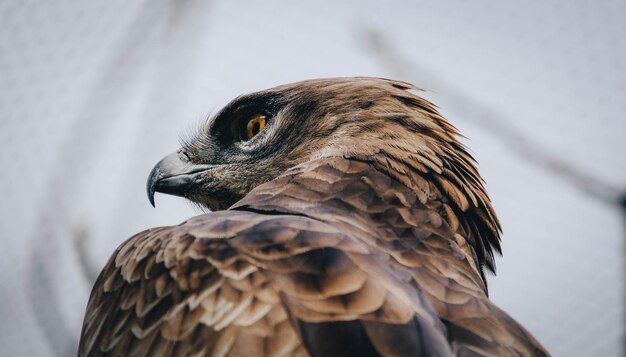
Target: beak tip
[[151, 189], [151, 195]]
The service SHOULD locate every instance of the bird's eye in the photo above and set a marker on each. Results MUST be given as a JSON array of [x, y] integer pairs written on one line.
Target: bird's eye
[[255, 124]]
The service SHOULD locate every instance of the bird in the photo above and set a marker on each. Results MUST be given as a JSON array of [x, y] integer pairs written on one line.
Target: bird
[[343, 217]]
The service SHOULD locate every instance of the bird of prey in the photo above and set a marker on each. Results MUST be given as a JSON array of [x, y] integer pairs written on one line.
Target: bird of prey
[[346, 220]]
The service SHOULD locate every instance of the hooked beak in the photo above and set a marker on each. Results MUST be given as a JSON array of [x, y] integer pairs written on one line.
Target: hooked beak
[[174, 175]]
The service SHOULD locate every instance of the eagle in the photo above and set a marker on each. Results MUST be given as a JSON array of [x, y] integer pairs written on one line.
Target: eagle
[[344, 218]]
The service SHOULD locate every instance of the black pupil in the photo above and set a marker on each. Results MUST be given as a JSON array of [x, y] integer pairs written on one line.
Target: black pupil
[[256, 127]]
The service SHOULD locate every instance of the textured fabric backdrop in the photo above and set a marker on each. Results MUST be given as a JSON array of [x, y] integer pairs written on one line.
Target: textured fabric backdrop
[[92, 94]]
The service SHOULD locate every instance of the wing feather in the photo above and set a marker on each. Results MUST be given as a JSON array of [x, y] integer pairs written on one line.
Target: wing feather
[[214, 293], [373, 268]]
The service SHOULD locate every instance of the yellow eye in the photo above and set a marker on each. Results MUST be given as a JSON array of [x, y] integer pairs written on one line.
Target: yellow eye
[[255, 125]]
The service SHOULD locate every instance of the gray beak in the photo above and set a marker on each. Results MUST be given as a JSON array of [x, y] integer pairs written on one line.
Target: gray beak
[[174, 175]]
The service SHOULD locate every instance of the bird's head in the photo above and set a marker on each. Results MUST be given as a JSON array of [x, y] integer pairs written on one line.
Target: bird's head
[[258, 136]]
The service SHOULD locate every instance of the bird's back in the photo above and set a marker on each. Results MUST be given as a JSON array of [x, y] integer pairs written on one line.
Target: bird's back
[[334, 257]]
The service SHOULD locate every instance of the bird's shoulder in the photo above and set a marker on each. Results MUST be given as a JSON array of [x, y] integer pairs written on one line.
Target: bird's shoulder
[[334, 241], [167, 288], [412, 224]]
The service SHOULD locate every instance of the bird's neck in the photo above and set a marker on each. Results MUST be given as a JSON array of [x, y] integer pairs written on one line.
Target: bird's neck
[[360, 194], [355, 191]]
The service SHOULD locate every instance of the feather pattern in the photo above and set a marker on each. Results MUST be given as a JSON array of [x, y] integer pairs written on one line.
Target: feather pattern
[[371, 250]]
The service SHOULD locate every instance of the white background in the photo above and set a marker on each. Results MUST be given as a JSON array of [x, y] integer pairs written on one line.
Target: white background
[[93, 94]]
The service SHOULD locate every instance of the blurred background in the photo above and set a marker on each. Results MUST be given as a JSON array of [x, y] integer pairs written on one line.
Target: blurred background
[[93, 94]]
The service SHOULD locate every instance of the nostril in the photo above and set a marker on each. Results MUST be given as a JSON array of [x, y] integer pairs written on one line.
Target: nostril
[[182, 154]]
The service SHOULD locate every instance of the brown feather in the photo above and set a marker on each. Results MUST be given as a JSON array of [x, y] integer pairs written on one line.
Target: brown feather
[[372, 224]]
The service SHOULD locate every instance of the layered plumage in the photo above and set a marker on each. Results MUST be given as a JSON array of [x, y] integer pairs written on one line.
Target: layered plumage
[[352, 223]]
